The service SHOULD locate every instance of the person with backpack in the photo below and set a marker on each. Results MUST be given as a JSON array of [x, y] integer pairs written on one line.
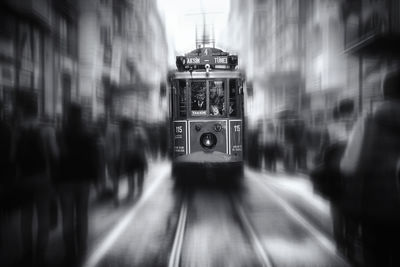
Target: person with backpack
[[33, 150], [370, 168]]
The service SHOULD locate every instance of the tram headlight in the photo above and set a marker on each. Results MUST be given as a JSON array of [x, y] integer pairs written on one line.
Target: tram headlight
[[208, 140], [218, 127]]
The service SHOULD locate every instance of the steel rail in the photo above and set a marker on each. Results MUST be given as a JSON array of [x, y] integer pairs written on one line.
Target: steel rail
[[324, 241], [175, 257], [255, 241]]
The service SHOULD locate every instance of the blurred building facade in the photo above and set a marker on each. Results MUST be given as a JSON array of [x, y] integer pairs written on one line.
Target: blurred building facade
[[325, 61], [38, 41], [108, 55], [273, 53], [304, 56], [372, 41], [123, 58]]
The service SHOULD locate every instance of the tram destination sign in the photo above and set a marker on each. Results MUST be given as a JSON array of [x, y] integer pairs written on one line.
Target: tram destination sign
[[202, 60]]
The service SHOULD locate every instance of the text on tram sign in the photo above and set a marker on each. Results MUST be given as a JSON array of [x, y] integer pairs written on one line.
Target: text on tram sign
[[193, 60], [221, 60]]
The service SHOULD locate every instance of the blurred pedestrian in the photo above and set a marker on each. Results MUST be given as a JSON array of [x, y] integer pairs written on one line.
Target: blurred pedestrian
[[290, 140], [99, 133], [6, 171], [371, 168], [134, 146], [139, 159], [163, 139], [34, 149], [270, 148], [113, 156], [326, 176], [299, 143], [78, 169]]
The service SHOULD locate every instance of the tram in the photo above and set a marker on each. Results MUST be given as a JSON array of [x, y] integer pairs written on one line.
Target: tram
[[207, 115]]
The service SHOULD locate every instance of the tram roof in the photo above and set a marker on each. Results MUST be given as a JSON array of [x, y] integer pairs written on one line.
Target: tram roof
[[210, 75], [202, 51]]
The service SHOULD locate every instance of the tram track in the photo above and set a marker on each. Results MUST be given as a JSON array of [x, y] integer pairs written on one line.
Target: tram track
[[322, 239], [251, 233], [174, 260], [239, 217], [325, 242]]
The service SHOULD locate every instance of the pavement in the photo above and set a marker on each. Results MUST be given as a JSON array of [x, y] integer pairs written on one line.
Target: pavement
[[291, 221], [103, 215]]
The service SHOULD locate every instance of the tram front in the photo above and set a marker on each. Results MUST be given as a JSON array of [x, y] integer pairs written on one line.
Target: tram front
[[207, 116]]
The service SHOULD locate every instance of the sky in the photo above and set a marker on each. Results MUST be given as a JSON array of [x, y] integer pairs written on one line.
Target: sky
[[182, 16]]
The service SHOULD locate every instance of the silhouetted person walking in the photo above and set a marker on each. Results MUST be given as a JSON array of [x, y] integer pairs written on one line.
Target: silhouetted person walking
[[113, 156], [33, 150], [371, 168], [6, 172], [134, 162], [138, 157], [78, 168]]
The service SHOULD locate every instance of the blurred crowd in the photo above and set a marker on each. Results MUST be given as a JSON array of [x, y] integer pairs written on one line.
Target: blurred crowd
[[288, 143], [49, 169], [354, 163]]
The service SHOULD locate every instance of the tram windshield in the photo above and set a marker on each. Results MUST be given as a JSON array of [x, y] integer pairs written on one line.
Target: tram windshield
[[215, 98]]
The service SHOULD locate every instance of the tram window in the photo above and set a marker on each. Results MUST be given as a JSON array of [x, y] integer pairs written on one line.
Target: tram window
[[233, 92], [198, 99], [217, 98], [182, 87]]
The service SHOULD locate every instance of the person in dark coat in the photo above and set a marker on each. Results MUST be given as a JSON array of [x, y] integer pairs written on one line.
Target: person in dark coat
[[113, 156], [270, 148], [6, 170], [7, 174], [326, 175], [78, 169], [134, 161], [371, 173], [33, 150]]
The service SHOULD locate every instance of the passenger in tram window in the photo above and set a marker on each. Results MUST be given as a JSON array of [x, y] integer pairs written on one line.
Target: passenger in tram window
[[217, 99], [199, 96], [199, 102], [232, 110]]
